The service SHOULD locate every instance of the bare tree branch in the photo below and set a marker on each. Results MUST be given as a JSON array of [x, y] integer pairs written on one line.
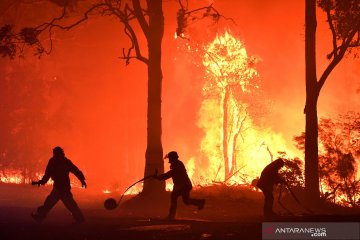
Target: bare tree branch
[[182, 5], [29, 36], [342, 50], [129, 31], [140, 17], [184, 14]]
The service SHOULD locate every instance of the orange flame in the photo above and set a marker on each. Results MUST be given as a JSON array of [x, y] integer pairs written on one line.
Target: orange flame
[[234, 148]]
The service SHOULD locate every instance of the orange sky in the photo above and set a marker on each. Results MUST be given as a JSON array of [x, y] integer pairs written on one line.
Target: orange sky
[[108, 99]]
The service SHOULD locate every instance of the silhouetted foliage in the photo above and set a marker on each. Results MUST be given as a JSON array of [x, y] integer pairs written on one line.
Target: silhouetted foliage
[[300, 142], [29, 35], [340, 139], [339, 148], [343, 17], [186, 17], [7, 46], [344, 21], [13, 44], [181, 22], [292, 170]]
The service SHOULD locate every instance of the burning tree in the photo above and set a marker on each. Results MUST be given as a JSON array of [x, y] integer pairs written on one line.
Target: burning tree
[[230, 79], [339, 144], [237, 142]]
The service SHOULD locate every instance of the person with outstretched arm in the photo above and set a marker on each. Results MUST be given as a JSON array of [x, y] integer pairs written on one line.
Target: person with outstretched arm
[[182, 184], [58, 169]]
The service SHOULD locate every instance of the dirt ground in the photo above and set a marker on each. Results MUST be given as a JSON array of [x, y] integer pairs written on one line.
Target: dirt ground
[[229, 214]]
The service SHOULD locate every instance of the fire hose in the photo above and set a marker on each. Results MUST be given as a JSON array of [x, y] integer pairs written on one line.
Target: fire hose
[[295, 198], [111, 203], [279, 198]]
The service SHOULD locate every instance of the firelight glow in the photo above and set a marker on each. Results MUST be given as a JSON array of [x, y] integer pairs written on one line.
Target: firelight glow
[[236, 148], [87, 100]]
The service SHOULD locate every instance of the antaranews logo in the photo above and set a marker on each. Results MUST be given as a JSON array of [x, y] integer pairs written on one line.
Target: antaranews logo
[[309, 231], [269, 230]]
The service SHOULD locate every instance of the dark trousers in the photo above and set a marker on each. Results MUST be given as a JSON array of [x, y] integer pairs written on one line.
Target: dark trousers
[[185, 194], [66, 197], [268, 202]]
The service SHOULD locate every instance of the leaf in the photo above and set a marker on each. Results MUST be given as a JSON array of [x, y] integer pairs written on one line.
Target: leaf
[[29, 35]]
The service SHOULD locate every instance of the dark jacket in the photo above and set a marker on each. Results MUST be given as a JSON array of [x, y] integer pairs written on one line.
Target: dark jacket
[[270, 176], [58, 170], [178, 174]]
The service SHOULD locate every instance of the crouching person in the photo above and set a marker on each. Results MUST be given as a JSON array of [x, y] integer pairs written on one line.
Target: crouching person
[[269, 178]]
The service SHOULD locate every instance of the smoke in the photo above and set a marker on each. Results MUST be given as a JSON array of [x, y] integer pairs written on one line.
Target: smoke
[[98, 106]]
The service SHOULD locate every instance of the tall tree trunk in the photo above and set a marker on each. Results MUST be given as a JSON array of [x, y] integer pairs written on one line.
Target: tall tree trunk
[[233, 157], [239, 127], [225, 133], [154, 151], [312, 93]]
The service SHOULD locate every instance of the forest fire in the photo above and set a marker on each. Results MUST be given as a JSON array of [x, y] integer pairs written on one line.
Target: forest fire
[[17, 177], [258, 120], [236, 145], [12, 178]]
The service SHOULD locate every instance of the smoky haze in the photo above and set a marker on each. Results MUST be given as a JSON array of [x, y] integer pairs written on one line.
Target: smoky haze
[[97, 105]]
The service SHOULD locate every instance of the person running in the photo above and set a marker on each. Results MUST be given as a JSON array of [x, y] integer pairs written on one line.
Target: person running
[[58, 169], [182, 184]]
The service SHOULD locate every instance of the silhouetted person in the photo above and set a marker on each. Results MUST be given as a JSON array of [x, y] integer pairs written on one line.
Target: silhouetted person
[[58, 170], [182, 184], [270, 177]]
